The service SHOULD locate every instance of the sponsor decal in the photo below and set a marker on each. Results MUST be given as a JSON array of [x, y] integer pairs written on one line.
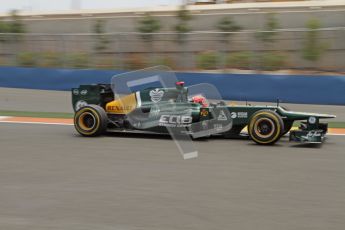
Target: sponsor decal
[[119, 108], [156, 95], [312, 134], [154, 112], [218, 127], [239, 115], [76, 91], [312, 120], [222, 116], [80, 104], [242, 114], [204, 113], [83, 92], [175, 120]]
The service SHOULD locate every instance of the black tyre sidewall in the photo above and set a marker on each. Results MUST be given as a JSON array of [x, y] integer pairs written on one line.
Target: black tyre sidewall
[[287, 126]]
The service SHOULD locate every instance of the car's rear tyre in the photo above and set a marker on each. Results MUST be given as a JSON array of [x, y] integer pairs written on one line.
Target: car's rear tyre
[[265, 127], [91, 121]]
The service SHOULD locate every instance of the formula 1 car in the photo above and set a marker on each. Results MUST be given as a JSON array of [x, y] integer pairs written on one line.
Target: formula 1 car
[[158, 110]]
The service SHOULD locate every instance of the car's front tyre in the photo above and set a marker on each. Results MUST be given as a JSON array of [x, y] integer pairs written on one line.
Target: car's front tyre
[[265, 127], [90, 121]]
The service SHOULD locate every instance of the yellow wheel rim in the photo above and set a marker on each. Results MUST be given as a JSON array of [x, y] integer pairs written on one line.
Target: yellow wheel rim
[[87, 121], [251, 127], [264, 127]]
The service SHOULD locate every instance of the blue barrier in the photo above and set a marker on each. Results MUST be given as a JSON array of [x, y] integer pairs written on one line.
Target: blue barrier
[[251, 87]]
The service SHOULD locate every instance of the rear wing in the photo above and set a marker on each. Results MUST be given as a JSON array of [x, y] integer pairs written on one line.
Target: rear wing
[[99, 94]]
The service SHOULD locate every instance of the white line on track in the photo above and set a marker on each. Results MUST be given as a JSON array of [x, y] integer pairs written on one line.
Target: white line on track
[[35, 123]]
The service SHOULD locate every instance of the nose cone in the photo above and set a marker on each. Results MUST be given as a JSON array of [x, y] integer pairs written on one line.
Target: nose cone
[[303, 115]]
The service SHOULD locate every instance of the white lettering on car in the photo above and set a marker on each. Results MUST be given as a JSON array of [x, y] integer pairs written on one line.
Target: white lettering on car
[[175, 120]]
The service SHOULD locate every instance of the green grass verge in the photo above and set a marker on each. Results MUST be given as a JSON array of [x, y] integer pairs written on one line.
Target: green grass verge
[[35, 114]]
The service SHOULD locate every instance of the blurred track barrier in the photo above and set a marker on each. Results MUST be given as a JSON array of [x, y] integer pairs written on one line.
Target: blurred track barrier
[[305, 89]]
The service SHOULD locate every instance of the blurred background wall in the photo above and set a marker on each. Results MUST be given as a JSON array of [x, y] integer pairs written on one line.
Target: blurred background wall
[[251, 36]]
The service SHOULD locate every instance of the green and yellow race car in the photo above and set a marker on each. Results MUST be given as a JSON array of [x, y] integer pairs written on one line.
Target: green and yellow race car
[[157, 110]]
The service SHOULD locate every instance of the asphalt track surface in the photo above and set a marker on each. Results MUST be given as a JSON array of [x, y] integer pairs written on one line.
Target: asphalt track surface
[[51, 178]]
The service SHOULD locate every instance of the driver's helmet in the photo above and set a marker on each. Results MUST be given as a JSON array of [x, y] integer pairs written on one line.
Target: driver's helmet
[[200, 100]]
